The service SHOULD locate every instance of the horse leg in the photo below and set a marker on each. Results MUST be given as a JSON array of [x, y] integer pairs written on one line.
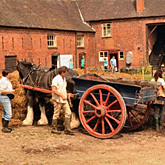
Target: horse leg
[[30, 115], [43, 120]]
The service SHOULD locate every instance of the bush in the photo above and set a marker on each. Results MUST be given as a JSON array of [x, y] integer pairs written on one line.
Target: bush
[[147, 69], [128, 70]]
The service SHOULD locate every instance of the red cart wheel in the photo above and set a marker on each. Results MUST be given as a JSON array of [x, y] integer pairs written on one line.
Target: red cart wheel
[[102, 111], [135, 118]]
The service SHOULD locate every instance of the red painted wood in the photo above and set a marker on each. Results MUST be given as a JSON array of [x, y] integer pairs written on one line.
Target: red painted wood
[[135, 118], [97, 114], [41, 90]]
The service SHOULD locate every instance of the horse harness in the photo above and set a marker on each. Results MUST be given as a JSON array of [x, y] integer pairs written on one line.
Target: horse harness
[[38, 77]]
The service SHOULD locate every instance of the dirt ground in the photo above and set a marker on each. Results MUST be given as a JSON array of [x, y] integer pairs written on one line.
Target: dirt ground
[[35, 145]]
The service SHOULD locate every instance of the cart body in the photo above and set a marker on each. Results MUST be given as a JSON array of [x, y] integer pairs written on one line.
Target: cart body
[[109, 104]]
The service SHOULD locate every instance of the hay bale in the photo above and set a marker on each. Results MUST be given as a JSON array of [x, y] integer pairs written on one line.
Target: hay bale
[[19, 103]]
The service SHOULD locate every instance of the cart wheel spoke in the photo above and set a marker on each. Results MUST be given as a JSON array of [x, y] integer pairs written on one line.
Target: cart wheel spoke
[[90, 119], [114, 110], [88, 111], [108, 95], [94, 98], [98, 120], [134, 116], [101, 97], [87, 102], [110, 125], [103, 127], [111, 117], [129, 118], [111, 104]]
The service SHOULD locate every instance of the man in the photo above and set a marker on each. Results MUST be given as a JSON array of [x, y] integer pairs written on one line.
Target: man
[[113, 64], [5, 89], [59, 97]]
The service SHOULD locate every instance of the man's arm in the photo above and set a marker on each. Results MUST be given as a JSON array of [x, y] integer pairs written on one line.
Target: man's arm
[[54, 90], [7, 91]]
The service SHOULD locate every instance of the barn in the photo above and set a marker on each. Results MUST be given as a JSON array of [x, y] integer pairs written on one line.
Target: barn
[[52, 31]]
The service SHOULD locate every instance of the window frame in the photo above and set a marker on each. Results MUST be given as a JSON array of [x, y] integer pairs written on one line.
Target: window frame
[[52, 40], [119, 55], [101, 59], [105, 32], [82, 41]]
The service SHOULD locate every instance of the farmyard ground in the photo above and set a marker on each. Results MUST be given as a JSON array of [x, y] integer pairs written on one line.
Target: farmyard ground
[[37, 146]]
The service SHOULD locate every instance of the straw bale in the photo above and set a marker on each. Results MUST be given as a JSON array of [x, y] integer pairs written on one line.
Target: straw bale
[[19, 103]]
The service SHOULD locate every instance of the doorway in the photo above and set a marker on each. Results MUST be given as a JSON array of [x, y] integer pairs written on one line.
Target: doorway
[[55, 60], [80, 57], [116, 57], [10, 63]]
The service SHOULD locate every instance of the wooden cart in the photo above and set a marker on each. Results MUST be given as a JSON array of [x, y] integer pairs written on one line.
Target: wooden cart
[[108, 104]]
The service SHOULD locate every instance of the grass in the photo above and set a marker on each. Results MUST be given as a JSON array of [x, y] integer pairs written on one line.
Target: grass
[[147, 78]]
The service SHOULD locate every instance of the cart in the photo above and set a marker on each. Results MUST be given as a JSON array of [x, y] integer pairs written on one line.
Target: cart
[[107, 104]]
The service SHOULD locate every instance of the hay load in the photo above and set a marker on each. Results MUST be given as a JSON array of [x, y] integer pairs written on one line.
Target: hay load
[[19, 103]]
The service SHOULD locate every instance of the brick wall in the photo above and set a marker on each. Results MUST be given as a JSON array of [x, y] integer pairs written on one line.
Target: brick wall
[[127, 35], [31, 44]]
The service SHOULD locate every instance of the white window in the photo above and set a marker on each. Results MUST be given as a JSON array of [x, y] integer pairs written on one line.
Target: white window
[[121, 55], [106, 30], [51, 39], [80, 41], [103, 55]]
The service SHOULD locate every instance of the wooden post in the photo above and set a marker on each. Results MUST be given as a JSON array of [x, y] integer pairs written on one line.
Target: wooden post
[[85, 67], [142, 72]]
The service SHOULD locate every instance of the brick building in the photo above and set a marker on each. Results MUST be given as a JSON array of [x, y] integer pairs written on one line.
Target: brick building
[[41, 31], [127, 27]]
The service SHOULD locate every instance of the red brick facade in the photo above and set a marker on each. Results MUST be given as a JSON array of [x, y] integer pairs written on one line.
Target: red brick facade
[[128, 35], [31, 44]]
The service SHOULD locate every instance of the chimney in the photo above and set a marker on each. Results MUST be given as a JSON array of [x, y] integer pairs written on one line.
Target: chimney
[[139, 6]]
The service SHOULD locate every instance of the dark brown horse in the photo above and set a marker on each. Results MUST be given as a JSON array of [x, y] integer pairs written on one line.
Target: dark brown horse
[[35, 76]]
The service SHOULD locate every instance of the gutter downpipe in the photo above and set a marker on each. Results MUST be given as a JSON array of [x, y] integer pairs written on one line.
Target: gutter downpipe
[[75, 49]]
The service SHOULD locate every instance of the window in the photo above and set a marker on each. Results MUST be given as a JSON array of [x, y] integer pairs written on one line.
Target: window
[[106, 30], [51, 39], [103, 55], [121, 55], [80, 41]]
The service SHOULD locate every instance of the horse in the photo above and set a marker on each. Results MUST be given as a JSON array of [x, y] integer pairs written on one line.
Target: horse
[[36, 76]]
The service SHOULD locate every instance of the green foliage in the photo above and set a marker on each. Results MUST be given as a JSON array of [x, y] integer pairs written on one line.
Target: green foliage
[[147, 69], [128, 70]]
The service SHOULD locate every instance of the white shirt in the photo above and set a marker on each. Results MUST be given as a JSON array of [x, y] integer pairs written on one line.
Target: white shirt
[[159, 80], [113, 62], [5, 84], [60, 83]]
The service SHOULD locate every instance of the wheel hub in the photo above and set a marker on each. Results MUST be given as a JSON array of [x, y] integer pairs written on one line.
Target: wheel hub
[[100, 111]]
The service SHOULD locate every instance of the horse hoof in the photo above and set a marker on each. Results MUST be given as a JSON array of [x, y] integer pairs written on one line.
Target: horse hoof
[[42, 123], [25, 123], [74, 125]]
